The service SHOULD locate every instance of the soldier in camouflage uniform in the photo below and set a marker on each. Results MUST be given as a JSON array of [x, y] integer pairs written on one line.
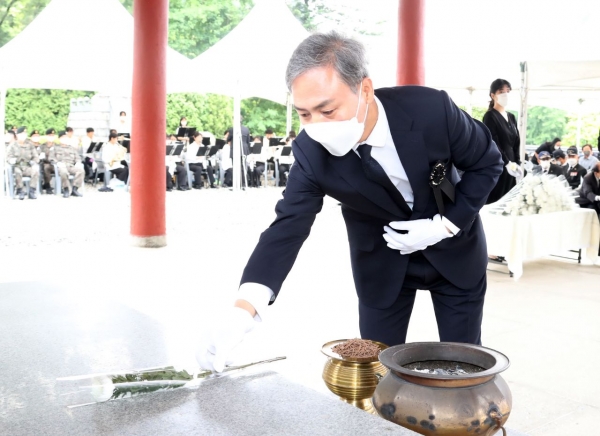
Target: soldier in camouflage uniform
[[47, 158], [23, 156], [68, 163]]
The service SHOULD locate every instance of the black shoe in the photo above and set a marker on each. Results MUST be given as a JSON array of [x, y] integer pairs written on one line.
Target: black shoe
[[181, 188], [49, 191], [169, 189], [197, 186], [21, 194], [76, 193], [105, 189], [65, 192], [32, 194], [213, 186]]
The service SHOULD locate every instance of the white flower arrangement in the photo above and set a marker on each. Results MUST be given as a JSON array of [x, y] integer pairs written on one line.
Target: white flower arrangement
[[537, 194]]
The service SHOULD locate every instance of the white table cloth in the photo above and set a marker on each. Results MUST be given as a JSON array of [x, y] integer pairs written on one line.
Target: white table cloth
[[520, 238]]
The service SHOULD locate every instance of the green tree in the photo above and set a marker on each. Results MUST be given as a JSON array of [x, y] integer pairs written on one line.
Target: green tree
[[39, 108], [590, 124], [544, 124], [205, 112]]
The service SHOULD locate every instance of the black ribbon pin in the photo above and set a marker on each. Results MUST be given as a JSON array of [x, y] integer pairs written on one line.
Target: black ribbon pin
[[439, 183]]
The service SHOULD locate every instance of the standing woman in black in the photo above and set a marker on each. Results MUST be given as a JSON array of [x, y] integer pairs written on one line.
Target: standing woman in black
[[503, 127]]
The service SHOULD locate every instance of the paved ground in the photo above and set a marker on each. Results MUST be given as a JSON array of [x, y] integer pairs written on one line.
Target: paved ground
[[548, 322]]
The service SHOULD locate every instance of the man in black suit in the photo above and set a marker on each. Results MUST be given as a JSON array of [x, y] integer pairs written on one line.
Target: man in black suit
[[590, 188], [375, 151], [546, 166]]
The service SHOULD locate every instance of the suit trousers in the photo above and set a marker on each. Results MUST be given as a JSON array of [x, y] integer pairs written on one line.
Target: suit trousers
[[458, 312]]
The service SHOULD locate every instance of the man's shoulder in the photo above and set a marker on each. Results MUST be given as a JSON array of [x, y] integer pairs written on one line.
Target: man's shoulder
[[418, 102], [407, 91]]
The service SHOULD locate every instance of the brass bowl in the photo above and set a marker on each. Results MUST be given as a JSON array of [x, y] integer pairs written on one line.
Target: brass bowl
[[353, 380]]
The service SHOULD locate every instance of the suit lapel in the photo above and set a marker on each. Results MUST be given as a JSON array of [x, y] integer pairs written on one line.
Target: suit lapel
[[411, 151], [349, 167], [413, 156]]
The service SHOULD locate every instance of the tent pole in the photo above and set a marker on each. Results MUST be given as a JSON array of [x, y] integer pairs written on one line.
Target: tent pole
[[288, 117], [581, 100], [523, 112], [2, 147], [236, 140], [470, 104]]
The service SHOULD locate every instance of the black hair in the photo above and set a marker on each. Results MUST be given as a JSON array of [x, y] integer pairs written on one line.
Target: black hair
[[13, 133], [113, 130], [89, 129], [269, 132], [587, 145], [292, 133], [497, 85], [555, 140], [197, 133], [181, 119], [112, 135], [69, 129], [122, 113]]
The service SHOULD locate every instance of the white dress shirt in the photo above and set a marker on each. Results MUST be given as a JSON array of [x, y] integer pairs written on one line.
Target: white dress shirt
[[384, 152]]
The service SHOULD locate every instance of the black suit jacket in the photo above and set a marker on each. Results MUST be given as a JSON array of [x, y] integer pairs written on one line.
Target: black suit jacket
[[426, 127], [589, 187]]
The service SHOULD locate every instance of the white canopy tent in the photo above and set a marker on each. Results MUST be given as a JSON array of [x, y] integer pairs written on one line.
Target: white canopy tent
[[97, 56], [251, 61]]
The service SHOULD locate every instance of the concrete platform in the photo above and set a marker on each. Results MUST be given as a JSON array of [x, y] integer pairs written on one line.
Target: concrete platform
[[127, 307]]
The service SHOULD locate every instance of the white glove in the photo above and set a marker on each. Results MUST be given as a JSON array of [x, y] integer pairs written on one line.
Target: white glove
[[515, 170], [42, 155], [94, 166], [79, 165], [597, 197], [12, 160], [219, 341], [421, 234], [61, 165], [32, 163]]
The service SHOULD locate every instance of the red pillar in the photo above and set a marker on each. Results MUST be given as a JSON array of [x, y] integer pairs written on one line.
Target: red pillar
[[411, 64], [149, 101]]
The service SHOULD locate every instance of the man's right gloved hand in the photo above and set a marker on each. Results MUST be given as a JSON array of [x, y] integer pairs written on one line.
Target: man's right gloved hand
[[12, 160], [220, 339]]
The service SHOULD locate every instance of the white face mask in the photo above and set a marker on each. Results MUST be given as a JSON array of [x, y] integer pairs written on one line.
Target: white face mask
[[22, 136], [50, 138], [503, 99], [35, 139], [338, 137], [545, 164], [184, 123], [572, 162]]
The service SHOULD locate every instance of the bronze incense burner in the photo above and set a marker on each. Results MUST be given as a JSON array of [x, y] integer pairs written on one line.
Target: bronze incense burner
[[477, 403]]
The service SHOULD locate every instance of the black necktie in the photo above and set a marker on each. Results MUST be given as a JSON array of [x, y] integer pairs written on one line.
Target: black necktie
[[377, 174]]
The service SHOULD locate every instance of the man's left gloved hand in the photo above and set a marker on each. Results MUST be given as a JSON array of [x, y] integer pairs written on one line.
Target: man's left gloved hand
[[421, 234]]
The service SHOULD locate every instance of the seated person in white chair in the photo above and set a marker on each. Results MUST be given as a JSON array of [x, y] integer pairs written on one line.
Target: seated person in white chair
[[23, 156], [196, 162], [113, 155], [68, 163]]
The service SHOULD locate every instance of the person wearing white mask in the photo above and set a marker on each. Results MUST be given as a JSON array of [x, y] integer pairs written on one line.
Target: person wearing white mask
[[390, 158], [546, 167], [573, 172], [503, 127]]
